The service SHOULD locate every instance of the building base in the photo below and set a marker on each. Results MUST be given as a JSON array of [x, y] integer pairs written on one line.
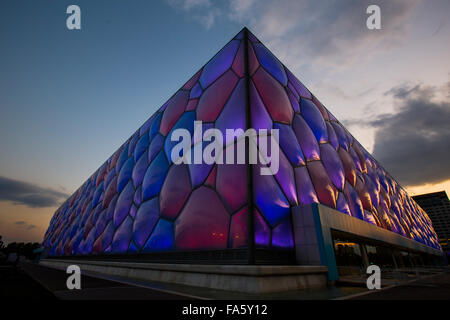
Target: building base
[[238, 278]]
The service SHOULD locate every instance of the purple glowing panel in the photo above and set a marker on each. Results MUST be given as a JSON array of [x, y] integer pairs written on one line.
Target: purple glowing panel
[[198, 227], [299, 87], [306, 138], [122, 158], [305, 189], [154, 177], [162, 238], [289, 144], [122, 237], [342, 137], [239, 230], [196, 91], [145, 220], [199, 172], [186, 122], [219, 64], [282, 235], [333, 165], [285, 178], [274, 96], [270, 63], [123, 204], [125, 174], [175, 191], [231, 184], [342, 204], [294, 101], [354, 202], [253, 63], [332, 136], [141, 146], [139, 170], [154, 129], [262, 231], [155, 147], [214, 98], [269, 198], [314, 119], [259, 115]]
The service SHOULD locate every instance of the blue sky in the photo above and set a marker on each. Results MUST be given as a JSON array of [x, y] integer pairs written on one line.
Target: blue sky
[[68, 99]]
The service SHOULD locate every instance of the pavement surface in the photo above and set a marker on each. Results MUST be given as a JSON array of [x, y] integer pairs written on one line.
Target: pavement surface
[[435, 287], [92, 288], [32, 281]]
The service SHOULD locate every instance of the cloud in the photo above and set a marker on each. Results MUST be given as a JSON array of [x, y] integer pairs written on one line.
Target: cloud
[[325, 33], [24, 224], [31, 195], [203, 11], [414, 143]]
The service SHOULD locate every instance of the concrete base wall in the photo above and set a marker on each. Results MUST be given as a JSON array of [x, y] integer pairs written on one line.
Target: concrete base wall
[[239, 278]]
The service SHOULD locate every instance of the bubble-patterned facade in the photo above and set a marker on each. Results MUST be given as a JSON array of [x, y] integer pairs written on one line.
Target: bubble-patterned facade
[[138, 201]]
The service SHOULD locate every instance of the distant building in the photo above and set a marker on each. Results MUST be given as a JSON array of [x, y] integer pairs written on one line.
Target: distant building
[[437, 206]]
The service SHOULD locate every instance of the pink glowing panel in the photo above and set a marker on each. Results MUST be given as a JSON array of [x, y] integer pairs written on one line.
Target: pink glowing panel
[[259, 115], [214, 98], [211, 180], [239, 229], [174, 109], [122, 236], [359, 151], [262, 231], [175, 191], [306, 138], [238, 63], [192, 105], [191, 82], [333, 165], [231, 184], [274, 96], [325, 190], [233, 114], [282, 235], [123, 204], [253, 63], [299, 87], [349, 166], [199, 227]]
